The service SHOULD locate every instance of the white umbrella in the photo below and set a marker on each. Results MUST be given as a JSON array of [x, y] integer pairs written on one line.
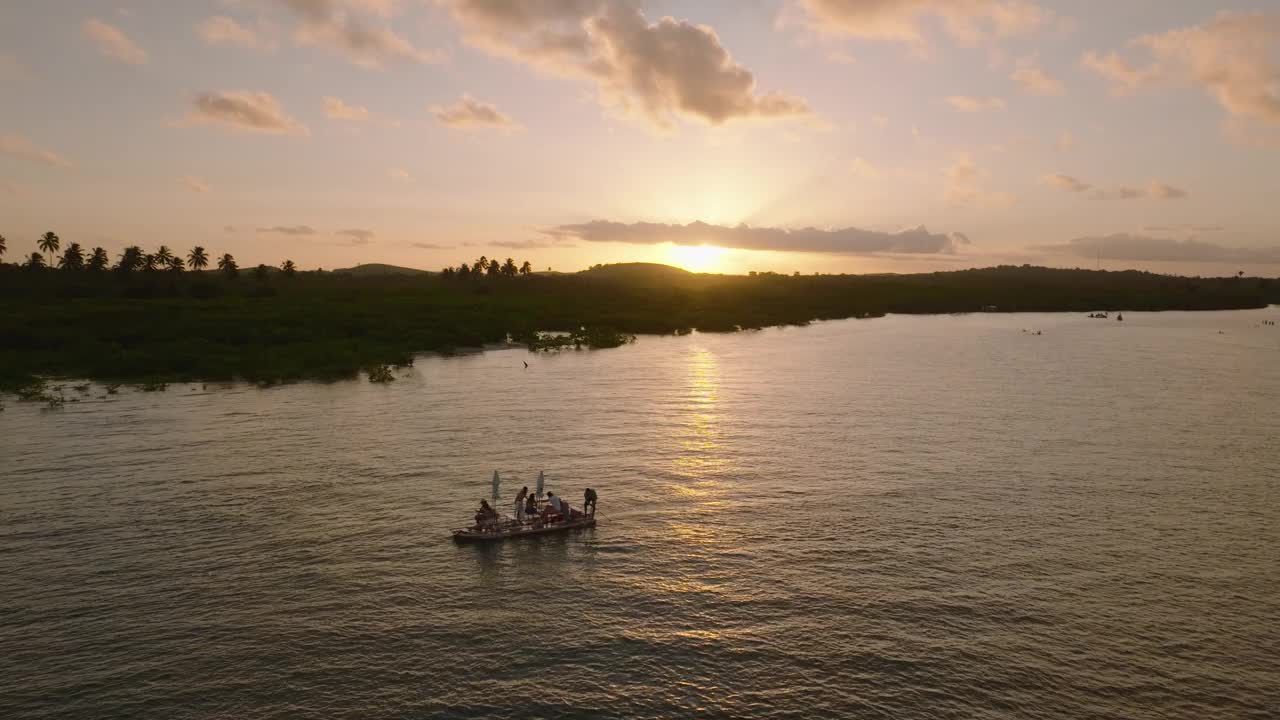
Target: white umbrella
[[542, 479], [496, 481]]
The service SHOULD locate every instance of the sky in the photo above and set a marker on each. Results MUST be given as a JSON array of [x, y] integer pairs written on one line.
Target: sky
[[720, 135]]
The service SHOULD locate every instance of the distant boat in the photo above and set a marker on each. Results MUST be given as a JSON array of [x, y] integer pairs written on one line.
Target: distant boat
[[511, 529], [1120, 317]]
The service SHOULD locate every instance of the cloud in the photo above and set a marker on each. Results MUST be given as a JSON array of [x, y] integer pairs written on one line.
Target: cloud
[[657, 73], [851, 241], [964, 103], [399, 174], [330, 24], [1230, 57], [222, 30], [294, 230], [1157, 190], [967, 21], [1166, 192], [1066, 182], [1141, 248], [1035, 81], [20, 147], [195, 184], [469, 113], [357, 235], [431, 246], [244, 111], [113, 43], [866, 170], [965, 186], [339, 110]]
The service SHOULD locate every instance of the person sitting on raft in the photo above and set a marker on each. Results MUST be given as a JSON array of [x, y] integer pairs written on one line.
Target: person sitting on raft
[[486, 515], [555, 506], [530, 507], [589, 502]]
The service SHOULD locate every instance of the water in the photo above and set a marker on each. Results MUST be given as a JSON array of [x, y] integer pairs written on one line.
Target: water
[[911, 517]]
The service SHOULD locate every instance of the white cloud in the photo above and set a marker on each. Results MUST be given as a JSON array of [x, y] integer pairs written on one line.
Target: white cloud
[[333, 25], [1157, 190], [469, 113], [21, 147], [1034, 80], [658, 72], [1230, 57], [339, 110], [1141, 248], [852, 241], [195, 184], [965, 186], [245, 111], [967, 21], [222, 30], [1124, 192], [113, 43], [964, 103], [1066, 182]]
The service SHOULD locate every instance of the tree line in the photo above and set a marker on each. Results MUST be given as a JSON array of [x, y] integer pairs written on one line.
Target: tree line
[[490, 267], [132, 259]]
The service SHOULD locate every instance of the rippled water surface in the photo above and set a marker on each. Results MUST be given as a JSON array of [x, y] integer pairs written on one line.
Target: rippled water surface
[[911, 517]]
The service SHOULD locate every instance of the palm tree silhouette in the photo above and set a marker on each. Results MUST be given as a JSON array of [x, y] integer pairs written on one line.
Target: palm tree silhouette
[[494, 268], [3, 245], [464, 270], [35, 262], [131, 259], [197, 258], [49, 242], [72, 258], [149, 262], [260, 272], [163, 255], [227, 265], [288, 268], [175, 264], [526, 268], [481, 265], [509, 268], [98, 260]]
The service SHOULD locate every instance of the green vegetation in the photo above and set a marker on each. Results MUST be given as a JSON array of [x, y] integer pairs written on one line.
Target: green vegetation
[[152, 321]]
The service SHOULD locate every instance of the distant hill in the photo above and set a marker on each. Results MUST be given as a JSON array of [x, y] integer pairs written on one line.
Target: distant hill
[[641, 274], [378, 269]]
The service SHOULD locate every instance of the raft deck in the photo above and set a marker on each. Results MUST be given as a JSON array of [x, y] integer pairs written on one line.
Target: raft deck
[[503, 532]]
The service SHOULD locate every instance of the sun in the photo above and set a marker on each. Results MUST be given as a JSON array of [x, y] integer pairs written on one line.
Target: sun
[[696, 258]]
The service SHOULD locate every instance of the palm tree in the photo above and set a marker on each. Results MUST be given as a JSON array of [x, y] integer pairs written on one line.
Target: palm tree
[[98, 260], [197, 258], [526, 269], [72, 258], [149, 262], [175, 264], [227, 265], [49, 242], [509, 268], [131, 259], [481, 265], [163, 255], [260, 272], [288, 268], [35, 262], [447, 272], [464, 270], [3, 245], [494, 268]]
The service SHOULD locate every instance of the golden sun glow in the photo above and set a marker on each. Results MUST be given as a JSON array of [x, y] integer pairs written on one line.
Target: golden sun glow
[[697, 258]]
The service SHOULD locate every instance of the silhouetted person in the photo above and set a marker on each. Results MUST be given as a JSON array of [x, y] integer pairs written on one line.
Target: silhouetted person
[[520, 496], [589, 501]]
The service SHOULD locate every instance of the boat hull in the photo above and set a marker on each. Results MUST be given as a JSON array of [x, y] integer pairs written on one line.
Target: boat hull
[[471, 535]]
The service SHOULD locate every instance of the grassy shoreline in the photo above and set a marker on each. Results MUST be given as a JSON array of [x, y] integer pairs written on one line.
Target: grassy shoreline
[[155, 327]]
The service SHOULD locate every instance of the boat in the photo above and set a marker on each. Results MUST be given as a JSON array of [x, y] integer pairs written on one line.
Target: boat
[[503, 527], [513, 529]]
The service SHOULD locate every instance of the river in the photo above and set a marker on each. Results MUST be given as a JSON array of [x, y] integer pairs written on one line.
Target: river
[[981, 516]]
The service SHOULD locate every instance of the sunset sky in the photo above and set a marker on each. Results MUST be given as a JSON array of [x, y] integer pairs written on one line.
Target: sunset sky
[[719, 135]]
